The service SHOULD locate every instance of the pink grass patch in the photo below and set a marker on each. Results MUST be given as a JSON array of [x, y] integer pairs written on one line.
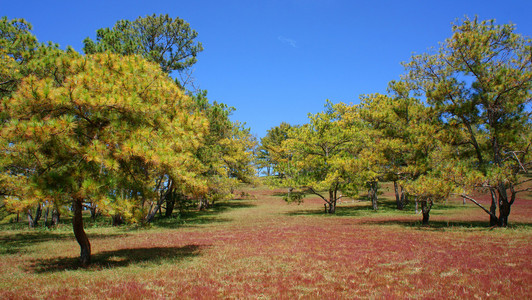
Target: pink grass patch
[[268, 251]]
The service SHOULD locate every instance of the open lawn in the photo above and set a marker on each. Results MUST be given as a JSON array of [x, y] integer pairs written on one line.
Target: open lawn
[[263, 248]]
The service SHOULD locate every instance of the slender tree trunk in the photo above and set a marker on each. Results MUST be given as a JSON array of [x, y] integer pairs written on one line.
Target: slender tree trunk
[[94, 211], [31, 221], [46, 215], [400, 196], [170, 204], [372, 193], [55, 217], [493, 208], [474, 142], [162, 197], [426, 205], [79, 232], [332, 202], [34, 221], [397, 196], [404, 197], [154, 211], [38, 214]]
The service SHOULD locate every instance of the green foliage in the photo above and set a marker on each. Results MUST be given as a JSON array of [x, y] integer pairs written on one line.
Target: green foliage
[[479, 82], [17, 45], [319, 156], [166, 41], [103, 128], [227, 152], [271, 152], [16, 39]]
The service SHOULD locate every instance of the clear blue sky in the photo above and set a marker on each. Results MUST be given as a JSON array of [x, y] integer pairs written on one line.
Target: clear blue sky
[[278, 60]]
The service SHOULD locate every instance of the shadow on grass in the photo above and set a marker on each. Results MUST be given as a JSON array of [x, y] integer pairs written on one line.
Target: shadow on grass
[[385, 207], [118, 258], [443, 224], [15, 243], [362, 208], [19, 242], [208, 216]]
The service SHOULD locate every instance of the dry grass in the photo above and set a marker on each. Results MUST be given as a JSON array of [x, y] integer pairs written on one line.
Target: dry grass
[[264, 248]]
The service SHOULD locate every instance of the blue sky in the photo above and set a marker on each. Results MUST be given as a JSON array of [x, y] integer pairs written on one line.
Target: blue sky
[[278, 60]]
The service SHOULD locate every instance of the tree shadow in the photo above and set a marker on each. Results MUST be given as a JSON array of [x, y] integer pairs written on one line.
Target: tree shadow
[[118, 258], [19, 242], [196, 217], [356, 208], [280, 194], [442, 224], [359, 208], [16, 243]]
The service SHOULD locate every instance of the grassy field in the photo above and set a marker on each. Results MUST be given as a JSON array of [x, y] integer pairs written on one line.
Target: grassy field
[[263, 248]]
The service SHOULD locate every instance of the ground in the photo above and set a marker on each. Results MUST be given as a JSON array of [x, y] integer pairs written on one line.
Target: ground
[[261, 247]]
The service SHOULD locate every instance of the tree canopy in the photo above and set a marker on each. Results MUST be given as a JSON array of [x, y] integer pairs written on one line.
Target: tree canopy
[[112, 130], [457, 122], [480, 81], [104, 128], [167, 41]]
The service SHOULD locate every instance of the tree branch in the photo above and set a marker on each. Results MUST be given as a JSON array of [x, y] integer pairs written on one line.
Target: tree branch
[[479, 205], [318, 194]]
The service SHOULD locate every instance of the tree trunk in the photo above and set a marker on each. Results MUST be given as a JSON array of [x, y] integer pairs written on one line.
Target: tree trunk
[[332, 202], [38, 214], [79, 232], [154, 211], [372, 193], [493, 208], [46, 215], [55, 217], [504, 205], [31, 221], [162, 197], [400, 196], [397, 196], [504, 212], [332, 207], [117, 220], [426, 205], [170, 204], [203, 203], [404, 198], [34, 221], [94, 211]]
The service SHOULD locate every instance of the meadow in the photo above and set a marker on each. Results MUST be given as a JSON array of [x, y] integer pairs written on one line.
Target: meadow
[[260, 247]]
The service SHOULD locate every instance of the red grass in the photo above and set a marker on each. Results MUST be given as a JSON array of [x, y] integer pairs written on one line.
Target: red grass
[[264, 252]]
